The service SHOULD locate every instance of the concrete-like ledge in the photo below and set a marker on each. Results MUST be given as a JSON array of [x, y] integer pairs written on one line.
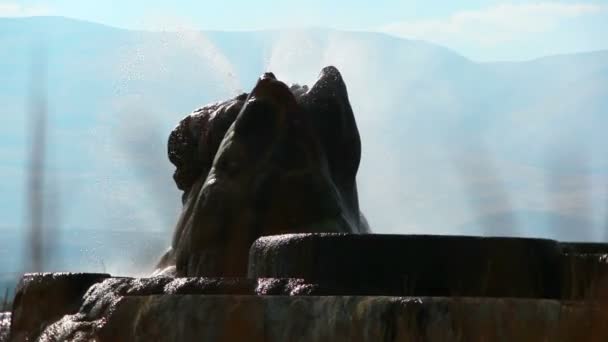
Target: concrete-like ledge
[[338, 287], [413, 265]]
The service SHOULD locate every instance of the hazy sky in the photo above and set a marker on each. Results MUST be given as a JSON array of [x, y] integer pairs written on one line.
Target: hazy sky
[[481, 30], [415, 177]]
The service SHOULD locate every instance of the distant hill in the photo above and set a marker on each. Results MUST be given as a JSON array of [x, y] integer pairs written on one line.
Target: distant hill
[[446, 140]]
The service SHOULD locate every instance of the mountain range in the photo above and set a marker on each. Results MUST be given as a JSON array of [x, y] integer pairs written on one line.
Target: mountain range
[[450, 145]]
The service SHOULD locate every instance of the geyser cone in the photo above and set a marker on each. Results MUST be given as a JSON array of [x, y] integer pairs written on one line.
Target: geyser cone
[[276, 170]]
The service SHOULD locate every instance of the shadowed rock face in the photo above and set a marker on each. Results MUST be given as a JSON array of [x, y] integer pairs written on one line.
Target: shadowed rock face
[[276, 160]]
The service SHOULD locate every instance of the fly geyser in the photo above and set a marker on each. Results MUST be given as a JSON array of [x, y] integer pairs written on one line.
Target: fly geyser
[[277, 160], [271, 246]]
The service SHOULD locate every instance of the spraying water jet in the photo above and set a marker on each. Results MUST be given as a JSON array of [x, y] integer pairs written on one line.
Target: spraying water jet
[[283, 160]]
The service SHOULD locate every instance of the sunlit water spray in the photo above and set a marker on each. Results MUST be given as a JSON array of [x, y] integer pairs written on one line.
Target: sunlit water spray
[[139, 132], [419, 172], [416, 175]]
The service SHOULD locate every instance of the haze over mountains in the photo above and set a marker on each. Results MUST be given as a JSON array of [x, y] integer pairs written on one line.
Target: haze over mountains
[[449, 145]]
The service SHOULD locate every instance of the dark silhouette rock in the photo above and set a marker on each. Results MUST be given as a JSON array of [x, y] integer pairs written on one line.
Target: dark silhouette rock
[[72, 314], [43, 298], [584, 276], [584, 248], [277, 160], [584, 270], [413, 265], [194, 142]]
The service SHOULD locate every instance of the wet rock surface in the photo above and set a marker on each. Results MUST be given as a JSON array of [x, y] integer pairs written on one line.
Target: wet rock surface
[[276, 160], [223, 318], [43, 298], [330, 300], [79, 315], [339, 318]]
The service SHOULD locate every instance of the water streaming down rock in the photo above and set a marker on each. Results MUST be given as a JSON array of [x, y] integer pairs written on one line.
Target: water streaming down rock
[[284, 160], [5, 323]]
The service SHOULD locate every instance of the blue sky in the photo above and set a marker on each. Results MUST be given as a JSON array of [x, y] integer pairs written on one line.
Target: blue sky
[[482, 30]]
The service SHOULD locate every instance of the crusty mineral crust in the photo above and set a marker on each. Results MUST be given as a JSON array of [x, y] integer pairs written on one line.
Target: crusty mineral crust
[[276, 160]]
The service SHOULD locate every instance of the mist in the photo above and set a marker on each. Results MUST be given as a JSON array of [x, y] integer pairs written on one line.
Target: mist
[[450, 146]]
